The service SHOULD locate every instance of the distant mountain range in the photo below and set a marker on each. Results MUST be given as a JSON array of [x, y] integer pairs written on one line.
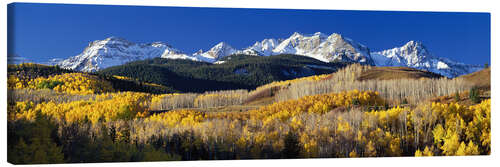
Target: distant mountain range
[[114, 51]]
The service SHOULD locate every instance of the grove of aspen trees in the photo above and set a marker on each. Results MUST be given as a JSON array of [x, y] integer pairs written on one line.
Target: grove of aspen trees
[[80, 117]]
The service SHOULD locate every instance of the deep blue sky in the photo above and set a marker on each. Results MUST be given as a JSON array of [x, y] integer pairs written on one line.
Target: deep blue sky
[[44, 31]]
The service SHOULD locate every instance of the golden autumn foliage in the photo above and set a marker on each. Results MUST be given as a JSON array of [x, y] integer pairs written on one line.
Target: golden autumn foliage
[[15, 83], [288, 113], [326, 125], [319, 104], [464, 129], [177, 118], [74, 83], [104, 108], [376, 133], [288, 82], [427, 152], [282, 111], [353, 154]]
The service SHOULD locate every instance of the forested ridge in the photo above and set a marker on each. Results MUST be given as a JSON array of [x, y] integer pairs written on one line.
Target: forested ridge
[[236, 72], [126, 117]]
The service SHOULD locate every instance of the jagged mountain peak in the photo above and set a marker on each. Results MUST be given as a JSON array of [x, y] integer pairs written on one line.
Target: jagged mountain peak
[[261, 48], [115, 41], [335, 35], [415, 46], [220, 50], [266, 41], [111, 42], [411, 54], [413, 43], [415, 55], [325, 48], [222, 45], [318, 34], [298, 35], [113, 51]]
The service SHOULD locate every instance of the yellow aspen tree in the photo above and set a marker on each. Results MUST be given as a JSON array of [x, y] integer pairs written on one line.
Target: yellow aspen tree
[[370, 150], [418, 153], [428, 152], [451, 144], [461, 151], [353, 154], [472, 149]]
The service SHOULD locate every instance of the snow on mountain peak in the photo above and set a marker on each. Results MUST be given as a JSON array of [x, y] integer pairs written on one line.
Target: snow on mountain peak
[[325, 48], [413, 43], [415, 55], [411, 54], [221, 50], [221, 45], [296, 35], [113, 51], [217, 52], [112, 41], [415, 46], [267, 44], [159, 44], [318, 34], [261, 48]]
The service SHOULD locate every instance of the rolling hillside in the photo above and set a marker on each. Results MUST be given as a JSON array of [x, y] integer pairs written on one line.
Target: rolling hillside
[[388, 73], [481, 79]]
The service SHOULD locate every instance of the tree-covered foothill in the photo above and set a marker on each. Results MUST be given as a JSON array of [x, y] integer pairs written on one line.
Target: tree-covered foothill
[[236, 72]]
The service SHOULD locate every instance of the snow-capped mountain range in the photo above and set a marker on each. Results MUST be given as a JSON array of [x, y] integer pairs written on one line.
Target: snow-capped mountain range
[[113, 51]]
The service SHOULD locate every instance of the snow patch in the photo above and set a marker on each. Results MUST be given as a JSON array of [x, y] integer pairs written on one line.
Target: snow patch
[[441, 65]]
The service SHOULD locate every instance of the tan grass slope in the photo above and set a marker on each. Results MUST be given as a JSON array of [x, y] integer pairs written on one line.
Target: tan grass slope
[[481, 79], [388, 73]]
